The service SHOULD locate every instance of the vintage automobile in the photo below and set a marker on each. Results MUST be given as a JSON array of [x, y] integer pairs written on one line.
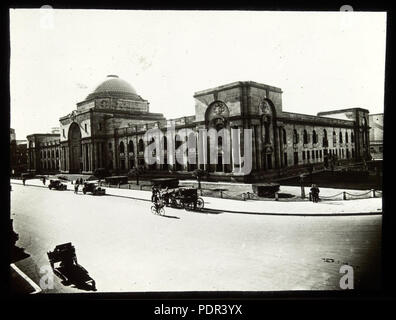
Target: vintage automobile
[[186, 198], [93, 188], [56, 185], [63, 261]]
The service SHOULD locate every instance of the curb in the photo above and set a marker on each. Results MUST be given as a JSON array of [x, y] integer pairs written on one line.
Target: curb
[[36, 288]]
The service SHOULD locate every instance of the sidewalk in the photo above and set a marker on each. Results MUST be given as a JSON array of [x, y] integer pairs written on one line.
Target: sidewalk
[[266, 206]]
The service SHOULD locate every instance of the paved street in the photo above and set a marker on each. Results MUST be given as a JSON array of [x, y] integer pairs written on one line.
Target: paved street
[[126, 248]]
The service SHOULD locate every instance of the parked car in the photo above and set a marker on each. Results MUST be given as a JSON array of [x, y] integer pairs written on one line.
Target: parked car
[[56, 185], [93, 188]]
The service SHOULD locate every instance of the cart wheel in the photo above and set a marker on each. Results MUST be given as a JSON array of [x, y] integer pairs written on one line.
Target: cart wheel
[[161, 211], [153, 210], [200, 203], [189, 206]]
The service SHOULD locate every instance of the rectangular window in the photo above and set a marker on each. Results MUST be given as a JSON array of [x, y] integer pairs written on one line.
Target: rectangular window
[[317, 154], [269, 161], [308, 155], [313, 154], [285, 159], [320, 154], [295, 158], [303, 155]]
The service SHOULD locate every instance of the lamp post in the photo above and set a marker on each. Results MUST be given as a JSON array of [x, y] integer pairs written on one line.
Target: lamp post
[[302, 176]]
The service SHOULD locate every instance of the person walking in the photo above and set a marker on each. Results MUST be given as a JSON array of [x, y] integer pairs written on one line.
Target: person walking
[[23, 181], [44, 180], [76, 187], [315, 193]]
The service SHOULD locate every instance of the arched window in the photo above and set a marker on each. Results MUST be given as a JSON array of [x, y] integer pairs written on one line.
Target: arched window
[[57, 153], [314, 137], [122, 147], [352, 137], [165, 143], [130, 146], [325, 141], [284, 136], [295, 136], [346, 137], [305, 136], [340, 138], [141, 145], [334, 138]]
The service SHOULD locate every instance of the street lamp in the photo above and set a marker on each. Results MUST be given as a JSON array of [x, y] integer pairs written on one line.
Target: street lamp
[[302, 176]]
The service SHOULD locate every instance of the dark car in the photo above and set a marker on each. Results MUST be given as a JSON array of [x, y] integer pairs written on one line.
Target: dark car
[[57, 185], [93, 188], [63, 261]]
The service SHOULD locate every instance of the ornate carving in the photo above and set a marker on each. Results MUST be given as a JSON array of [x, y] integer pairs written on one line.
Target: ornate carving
[[265, 107], [73, 115], [104, 103], [219, 108]]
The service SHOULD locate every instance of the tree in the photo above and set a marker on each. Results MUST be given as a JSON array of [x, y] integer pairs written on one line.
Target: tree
[[136, 172], [198, 174]]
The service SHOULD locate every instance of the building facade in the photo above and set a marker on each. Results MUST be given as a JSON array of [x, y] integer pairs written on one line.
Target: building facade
[[376, 122], [107, 129], [18, 154]]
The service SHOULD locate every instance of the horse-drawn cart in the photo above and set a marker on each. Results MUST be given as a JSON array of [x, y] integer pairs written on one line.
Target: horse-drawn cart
[[186, 198]]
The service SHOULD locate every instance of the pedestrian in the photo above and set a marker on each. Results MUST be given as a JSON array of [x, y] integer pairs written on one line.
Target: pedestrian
[[23, 181], [76, 187], [315, 193], [43, 180]]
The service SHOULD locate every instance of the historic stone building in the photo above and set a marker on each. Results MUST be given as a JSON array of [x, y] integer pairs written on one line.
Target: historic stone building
[[107, 131], [18, 154], [376, 122], [43, 152]]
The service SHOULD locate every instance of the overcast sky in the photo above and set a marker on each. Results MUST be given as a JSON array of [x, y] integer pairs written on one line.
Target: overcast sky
[[321, 61]]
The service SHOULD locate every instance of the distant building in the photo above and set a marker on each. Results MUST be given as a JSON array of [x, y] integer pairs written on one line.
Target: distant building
[[12, 135], [18, 154], [107, 129], [43, 152], [376, 122]]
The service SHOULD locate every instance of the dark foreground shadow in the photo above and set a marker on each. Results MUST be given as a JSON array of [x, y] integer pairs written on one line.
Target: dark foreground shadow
[[18, 254], [171, 217]]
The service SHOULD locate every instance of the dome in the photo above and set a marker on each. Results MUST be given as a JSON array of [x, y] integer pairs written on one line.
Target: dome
[[114, 87]]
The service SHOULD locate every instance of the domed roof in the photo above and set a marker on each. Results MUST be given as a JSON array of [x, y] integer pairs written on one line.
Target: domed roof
[[114, 87]]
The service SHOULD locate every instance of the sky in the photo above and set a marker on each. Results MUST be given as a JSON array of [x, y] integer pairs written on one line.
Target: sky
[[321, 60]]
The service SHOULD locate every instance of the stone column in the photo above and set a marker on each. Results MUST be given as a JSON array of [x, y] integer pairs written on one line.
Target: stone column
[[276, 145]]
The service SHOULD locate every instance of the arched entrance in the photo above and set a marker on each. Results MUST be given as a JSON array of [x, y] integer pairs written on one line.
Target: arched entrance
[[75, 148]]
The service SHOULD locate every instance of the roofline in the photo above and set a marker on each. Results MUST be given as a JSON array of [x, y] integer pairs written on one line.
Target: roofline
[[341, 110], [238, 84], [43, 134]]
